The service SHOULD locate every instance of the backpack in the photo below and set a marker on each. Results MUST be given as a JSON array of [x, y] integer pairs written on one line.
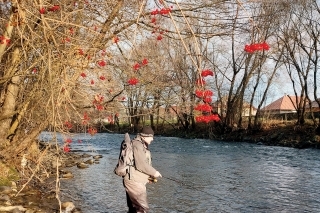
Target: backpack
[[125, 157]]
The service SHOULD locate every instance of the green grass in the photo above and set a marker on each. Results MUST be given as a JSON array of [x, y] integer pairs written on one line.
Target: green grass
[[7, 174]]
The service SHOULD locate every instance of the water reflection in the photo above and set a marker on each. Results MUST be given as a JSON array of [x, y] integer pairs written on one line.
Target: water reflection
[[205, 176]]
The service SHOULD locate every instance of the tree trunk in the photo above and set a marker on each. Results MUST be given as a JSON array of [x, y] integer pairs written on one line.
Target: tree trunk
[[9, 105]]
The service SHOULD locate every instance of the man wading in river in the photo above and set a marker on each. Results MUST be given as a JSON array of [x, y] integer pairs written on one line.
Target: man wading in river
[[135, 181]]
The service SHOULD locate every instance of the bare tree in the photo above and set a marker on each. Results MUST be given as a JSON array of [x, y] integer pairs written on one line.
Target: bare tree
[[300, 38], [53, 64]]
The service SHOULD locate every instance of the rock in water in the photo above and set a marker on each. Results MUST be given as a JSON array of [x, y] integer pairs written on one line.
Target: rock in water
[[67, 207], [82, 165]]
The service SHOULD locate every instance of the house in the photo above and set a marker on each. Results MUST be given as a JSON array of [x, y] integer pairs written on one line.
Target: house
[[315, 106], [221, 106], [246, 109], [285, 104], [169, 112]]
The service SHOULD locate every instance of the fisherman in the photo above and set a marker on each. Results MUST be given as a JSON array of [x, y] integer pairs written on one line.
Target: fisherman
[[135, 181]]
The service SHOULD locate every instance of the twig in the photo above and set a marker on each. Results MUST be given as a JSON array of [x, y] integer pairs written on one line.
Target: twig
[[33, 173]]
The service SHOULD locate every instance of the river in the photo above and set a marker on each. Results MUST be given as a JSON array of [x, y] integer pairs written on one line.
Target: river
[[200, 176]]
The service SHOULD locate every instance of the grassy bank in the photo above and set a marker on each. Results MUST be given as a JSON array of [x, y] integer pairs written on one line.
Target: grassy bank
[[275, 133]]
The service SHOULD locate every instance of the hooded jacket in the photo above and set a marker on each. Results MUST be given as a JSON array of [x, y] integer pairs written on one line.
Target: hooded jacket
[[142, 160]]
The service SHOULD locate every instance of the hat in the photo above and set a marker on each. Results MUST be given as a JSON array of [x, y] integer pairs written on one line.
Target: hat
[[147, 132]]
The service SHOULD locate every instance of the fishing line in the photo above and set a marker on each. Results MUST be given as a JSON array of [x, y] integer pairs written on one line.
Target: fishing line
[[193, 187], [154, 180], [190, 186]]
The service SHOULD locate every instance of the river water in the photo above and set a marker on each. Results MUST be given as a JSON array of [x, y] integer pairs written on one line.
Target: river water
[[200, 176]]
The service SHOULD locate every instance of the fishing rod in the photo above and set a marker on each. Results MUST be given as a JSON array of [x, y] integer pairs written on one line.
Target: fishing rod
[[190, 186], [178, 181], [153, 179]]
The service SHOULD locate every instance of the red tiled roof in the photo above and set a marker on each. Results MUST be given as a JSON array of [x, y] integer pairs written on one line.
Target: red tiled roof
[[283, 103]]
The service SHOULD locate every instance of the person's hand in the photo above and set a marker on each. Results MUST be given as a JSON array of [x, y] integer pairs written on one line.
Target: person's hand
[[157, 174], [152, 180]]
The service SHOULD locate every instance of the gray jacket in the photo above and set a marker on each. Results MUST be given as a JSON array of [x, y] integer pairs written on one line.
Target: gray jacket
[[142, 160]]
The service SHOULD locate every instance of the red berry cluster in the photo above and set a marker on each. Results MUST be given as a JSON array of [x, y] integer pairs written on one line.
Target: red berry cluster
[[206, 73], [54, 8], [203, 107], [101, 63], [92, 131], [66, 147], [136, 67], [251, 48], [144, 61], [68, 124], [4, 40], [98, 102], [115, 39], [154, 13], [133, 81], [162, 11], [205, 96], [208, 118], [85, 119]]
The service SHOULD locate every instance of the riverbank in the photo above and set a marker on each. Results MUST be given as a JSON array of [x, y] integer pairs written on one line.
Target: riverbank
[[286, 136], [280, 134], [276, 134], [38, 189]]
